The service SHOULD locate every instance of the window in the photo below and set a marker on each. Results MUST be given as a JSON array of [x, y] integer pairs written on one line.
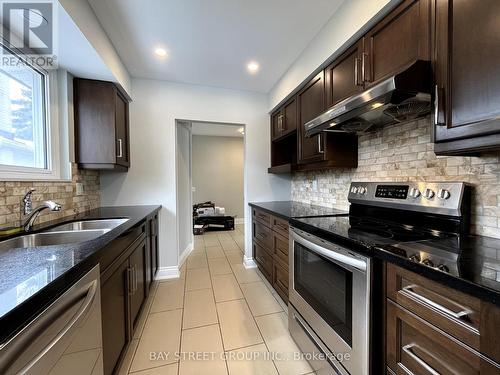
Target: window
[[23, 125], [33, 141]]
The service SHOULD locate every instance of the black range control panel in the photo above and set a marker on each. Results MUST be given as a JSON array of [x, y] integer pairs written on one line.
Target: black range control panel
[[392, 191]]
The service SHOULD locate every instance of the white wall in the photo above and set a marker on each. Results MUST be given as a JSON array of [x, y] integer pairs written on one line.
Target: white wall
[[218, 172], [349, 22], [86, 20], [184, 201], [151, 177]]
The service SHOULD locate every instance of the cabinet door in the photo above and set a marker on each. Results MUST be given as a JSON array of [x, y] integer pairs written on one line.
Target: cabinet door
[[290, 117], [343, 76], [138, 281], [311, 103], [122, 131], [94, 103], [280, 280], [416, 347], [114, 317], [399, 39], [276, 121], [467, 80]]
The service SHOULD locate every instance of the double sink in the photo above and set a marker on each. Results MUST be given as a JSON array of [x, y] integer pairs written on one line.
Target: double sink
[[72, 232]]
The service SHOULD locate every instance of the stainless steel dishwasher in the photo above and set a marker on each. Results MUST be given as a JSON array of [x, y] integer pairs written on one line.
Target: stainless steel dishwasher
[[65, 338]]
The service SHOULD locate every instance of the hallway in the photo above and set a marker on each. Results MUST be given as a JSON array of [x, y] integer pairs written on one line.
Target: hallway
[[218, 318]]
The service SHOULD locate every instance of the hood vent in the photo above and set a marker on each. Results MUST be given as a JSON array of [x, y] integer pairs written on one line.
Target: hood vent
[[400, 98]]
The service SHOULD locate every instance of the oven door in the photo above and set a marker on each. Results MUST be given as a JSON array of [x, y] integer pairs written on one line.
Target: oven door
[[330, 289]]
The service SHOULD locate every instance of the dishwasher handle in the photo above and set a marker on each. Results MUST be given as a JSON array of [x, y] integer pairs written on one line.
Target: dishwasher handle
[[11, 351]]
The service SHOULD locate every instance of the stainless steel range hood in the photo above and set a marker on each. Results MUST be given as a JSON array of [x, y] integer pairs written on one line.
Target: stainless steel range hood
[[400, 98]]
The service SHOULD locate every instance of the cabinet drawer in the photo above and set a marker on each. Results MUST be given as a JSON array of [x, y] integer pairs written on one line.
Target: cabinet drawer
[[463, 316], [416, 347], [262, 217], [263, 234], [264, 260], [280, 280], [280, 226], [281, 249]]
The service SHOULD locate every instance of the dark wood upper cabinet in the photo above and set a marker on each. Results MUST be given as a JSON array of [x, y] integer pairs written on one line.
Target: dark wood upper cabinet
[[284, 120], [402, 37], [311, 103], [467, 51], [101, 125], [343, 77]]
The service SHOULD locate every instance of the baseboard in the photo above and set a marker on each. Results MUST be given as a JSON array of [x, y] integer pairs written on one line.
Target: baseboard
[[239, 220], [165, 273], [185, 254], [248, 262]]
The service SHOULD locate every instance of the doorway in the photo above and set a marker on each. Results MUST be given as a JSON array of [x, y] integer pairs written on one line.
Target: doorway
[[210, 168]]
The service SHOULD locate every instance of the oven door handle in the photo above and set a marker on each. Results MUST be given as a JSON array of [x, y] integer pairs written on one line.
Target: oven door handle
[[337, 257]]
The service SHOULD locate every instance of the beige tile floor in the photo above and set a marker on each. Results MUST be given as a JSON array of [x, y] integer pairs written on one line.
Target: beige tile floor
[[217, 318]]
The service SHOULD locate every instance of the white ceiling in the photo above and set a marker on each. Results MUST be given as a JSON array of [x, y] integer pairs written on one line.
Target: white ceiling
[[216, 130], [210, 42]]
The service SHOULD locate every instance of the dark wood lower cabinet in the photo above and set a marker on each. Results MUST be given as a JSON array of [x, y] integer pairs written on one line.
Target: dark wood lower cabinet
[[125, 284], [416, 347], [270, 249], [114, 317], [434, 329]]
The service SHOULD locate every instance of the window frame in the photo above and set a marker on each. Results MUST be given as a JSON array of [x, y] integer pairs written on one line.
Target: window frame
[[56, 169]]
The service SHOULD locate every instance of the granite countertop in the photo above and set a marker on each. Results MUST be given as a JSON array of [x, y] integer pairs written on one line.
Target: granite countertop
[[29, 276], [290, 209], [478, 264], [478, 257]]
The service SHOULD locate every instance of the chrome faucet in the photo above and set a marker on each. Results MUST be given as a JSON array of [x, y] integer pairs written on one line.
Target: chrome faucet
[[34, 212]]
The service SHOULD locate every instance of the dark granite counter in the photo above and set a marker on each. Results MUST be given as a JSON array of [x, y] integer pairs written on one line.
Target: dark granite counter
[[291, 209], [478, 264], [30, 278]]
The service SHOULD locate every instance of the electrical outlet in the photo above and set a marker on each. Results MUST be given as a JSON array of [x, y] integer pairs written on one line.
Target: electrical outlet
[[314, 185], [79, 188]]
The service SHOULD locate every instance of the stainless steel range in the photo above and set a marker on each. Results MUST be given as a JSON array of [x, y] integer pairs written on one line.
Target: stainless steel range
[[331, 264]]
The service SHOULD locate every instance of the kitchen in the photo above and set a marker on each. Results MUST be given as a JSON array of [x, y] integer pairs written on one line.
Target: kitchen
[[371, 235]]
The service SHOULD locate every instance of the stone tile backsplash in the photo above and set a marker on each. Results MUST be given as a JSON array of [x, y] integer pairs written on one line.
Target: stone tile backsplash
[[11, 194], [405, 153]]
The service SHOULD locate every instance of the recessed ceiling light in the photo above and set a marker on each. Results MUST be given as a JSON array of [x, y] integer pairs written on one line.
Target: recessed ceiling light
[[253, 67], [160, 52]]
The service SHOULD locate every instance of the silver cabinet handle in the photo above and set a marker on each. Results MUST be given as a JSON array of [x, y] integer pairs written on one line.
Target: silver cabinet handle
[[356, 73], [89, 294], [136, 279], [408, 349], [363, 66], [409, 290], [437, 109], [130, 281], [320, 143], [120, 148]]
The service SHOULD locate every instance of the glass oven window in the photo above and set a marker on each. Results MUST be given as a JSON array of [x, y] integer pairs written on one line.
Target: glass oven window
[[327, 288]]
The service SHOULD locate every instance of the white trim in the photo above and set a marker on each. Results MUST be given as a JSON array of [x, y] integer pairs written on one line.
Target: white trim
[[186, 253], [239, 220], [248, 262], [166, 273]]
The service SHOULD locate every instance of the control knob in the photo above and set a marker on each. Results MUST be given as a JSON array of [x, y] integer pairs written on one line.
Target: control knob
[[428, 262], [443, 194], [415, 258], [414, 193], [354, 190], [428, 193], [443, 268], [362, 190]]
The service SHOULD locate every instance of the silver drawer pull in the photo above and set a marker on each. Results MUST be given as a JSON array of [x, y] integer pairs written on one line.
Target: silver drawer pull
[[408, 349], [120, 148], [457, 315]]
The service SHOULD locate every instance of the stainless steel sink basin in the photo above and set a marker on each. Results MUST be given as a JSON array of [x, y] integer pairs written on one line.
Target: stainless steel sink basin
[[51, 238], [89, 225]]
